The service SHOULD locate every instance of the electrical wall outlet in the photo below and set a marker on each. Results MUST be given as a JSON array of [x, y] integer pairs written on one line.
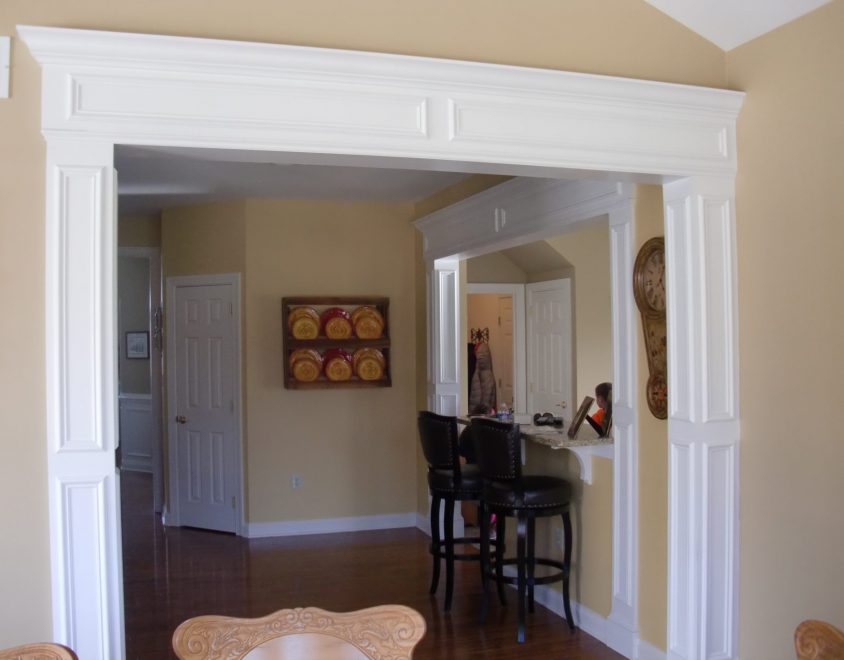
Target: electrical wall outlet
[[296, 481], [558, 537]]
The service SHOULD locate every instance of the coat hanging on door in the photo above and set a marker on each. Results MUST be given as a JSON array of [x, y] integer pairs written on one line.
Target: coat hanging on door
[[482, 391]]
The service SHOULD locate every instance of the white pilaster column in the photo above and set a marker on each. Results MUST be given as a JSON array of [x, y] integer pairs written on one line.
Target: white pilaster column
[[82, 398], [444, 336], [623, 616], [703, 426]]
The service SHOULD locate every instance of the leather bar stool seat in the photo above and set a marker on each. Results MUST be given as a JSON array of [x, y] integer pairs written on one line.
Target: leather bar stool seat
[[449, 481], [507, 492], [532, 491], [470, 483]]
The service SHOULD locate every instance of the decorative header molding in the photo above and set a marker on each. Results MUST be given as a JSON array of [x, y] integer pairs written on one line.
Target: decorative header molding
[[151, 89]]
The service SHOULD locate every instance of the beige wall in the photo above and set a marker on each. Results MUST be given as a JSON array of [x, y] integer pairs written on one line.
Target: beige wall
[[494, 268], [354, 448], [638, 42], [652, 434], [790, 218], [588, 251], [139, 230]]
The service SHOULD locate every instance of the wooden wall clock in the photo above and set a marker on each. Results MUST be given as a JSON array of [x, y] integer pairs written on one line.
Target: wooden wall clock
[[649, 291]]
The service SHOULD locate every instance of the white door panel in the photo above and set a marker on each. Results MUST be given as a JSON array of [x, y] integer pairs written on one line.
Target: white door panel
[[549, 345], [203, 406]]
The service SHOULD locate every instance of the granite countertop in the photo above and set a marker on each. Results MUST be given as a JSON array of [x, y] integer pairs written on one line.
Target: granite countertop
[[556, 437]]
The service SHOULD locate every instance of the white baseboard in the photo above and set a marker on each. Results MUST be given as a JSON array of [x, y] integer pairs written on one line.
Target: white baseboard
[[329, 525], [617, 637], [646, 651], [423, 523]]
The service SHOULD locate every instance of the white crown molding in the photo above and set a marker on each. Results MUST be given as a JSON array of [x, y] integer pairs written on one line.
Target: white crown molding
[[292, 98]]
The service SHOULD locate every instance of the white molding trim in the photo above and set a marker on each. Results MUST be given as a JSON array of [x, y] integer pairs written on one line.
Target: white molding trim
[[332, 101], [703, 425], [619, 638], [331, 525], [517, 291], [171, 516], [100, 89], [543, 208], [137, 426], [444, 337]]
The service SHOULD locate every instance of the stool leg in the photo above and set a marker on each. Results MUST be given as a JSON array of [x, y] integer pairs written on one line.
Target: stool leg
[[500, 531], [483, 522], [520, 554], [435, 542], [531, 558], [567, 569], [448, 522]]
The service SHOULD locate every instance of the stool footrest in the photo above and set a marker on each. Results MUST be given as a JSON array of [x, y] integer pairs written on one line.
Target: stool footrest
[[562, 571], [461, 556]]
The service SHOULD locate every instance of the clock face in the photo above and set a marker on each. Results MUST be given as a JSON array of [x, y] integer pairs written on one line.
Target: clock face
[[649, 278], [653, 280]]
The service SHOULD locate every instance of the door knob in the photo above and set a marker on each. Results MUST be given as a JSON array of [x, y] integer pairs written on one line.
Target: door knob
[[181, 419]]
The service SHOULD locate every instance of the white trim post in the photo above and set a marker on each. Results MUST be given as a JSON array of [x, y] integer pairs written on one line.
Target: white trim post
[[81, 331], [703, 425]]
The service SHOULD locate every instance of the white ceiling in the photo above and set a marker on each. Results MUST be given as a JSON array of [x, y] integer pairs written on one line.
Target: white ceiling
[[731, 23], [152, 178]]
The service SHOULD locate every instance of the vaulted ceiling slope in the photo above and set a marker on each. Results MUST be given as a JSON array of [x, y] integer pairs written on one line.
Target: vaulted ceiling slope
[[731, 23]]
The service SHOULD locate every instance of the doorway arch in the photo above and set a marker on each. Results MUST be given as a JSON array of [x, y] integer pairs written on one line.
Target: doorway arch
[[102, 89]]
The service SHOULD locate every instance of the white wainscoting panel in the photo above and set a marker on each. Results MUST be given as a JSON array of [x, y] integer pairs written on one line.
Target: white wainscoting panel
[[137, 432]]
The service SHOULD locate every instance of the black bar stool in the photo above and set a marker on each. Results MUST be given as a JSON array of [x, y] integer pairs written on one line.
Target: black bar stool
[[448, 481], [507, 492]]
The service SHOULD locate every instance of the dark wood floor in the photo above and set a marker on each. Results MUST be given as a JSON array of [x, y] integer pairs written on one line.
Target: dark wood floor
[[171, 574]]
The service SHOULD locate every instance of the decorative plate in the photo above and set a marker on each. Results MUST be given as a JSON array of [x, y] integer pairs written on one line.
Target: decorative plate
[[304, 323], [338, 364], [369, 363], [305, 364], [368, 322], [336, 323]]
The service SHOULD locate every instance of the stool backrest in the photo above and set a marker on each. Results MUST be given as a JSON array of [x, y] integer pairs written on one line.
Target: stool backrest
[[438, 434], [498, 448]]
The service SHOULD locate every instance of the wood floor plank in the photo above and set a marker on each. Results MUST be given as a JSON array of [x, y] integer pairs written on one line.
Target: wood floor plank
[[171, 574]]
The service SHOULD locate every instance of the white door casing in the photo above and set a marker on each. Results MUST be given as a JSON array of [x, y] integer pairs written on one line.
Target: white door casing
[[203, 392], [505, 374], [101, 89], [549, 347]]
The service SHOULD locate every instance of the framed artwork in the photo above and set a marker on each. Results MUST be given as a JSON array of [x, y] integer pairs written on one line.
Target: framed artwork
[[580, 415], [137, 345]]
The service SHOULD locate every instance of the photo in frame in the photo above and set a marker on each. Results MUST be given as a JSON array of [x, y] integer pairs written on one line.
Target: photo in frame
[[580, 415], [137, 345]]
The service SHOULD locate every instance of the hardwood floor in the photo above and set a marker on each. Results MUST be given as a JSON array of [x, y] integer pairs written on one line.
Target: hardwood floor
[[171, 574]]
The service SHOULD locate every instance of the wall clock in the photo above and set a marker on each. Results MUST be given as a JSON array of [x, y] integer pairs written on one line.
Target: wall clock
[[649, 291]]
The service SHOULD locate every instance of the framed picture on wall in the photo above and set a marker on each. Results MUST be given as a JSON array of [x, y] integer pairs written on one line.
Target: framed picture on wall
[[580, 415], [137, 345]]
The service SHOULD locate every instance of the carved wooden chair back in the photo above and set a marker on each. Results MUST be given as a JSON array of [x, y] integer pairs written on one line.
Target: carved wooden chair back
[[385, 631], [818, 640], [40, 651]]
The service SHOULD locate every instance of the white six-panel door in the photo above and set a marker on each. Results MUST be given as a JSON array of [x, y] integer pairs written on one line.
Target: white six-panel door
[[549, 347], [202, 374]]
